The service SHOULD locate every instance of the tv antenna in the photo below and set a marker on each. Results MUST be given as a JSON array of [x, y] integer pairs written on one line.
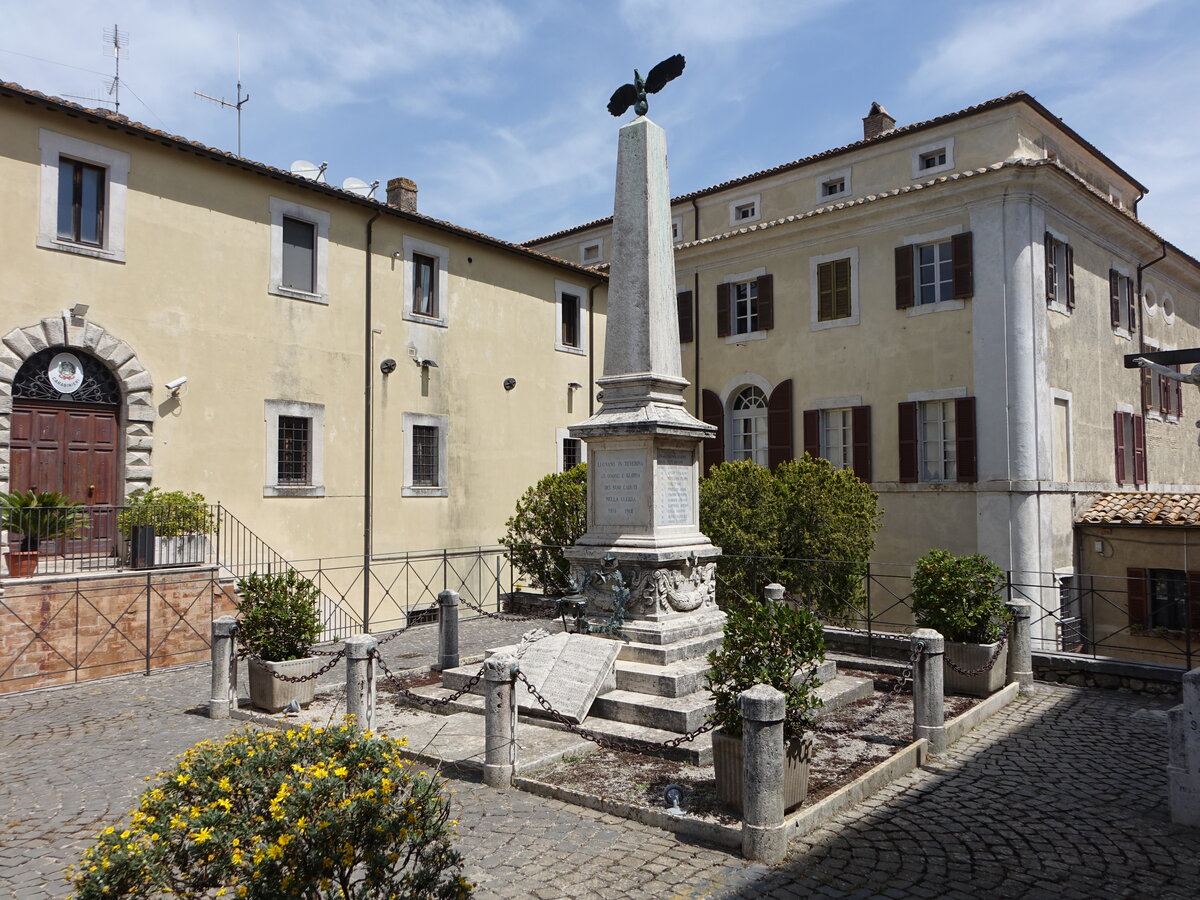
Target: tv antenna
[[241, 101], [360, 187], [116, 45], [306, 169]]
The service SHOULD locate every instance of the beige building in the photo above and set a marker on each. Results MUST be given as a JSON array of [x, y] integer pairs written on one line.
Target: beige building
[[320, 362], [945, 307]]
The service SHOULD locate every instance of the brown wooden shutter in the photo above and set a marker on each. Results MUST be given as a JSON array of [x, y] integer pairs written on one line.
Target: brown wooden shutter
[[713, 414], [1119, 444], [1114, 297], [964, 439], [779, 424], [909, 459], [860, 424], [722, 310], [1147, 383], [961, 252], [1193, 607], [1132, 304], [841, 289], [1164, 394], [1050, 276], [1137, 596], [904, 276], [1177, 386], [766, 302], [812, 432], [687, 330], [1070, 257], [1139, 451]]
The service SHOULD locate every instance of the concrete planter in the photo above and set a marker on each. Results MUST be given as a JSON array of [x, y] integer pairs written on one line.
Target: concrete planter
[[728, 765], [969, 657], [184, 550], [271, 694]]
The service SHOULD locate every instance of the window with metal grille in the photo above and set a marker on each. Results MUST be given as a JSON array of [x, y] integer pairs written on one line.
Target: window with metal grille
[[425, 456], [80, 202], [425, 301], [299, 255], [570, 453], [295, 450]]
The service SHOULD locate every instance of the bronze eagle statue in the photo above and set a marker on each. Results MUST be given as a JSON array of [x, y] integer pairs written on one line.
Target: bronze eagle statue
[[628, 95]]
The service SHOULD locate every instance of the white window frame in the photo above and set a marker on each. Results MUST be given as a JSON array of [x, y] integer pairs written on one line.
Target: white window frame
[[598, 246], [115, 163], [1124, 328], [827, 178], [560, 435], [315, 413], [946, 144], [758, 453], [731, 280], [320, 219], [945, 476], [916, 241], [441, 255], [846, 414], [814, 262], [749, 199], [560, 288], [442, 424]]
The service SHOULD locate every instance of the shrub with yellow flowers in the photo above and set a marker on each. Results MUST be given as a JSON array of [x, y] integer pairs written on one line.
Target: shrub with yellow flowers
[[316, 813]]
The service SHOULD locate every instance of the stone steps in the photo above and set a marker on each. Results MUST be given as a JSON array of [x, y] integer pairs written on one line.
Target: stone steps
[[665, 654], [677, 714], [677, 679]]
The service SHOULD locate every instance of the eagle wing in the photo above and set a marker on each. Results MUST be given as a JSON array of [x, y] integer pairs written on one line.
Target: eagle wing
[[667, 70], [623, 98]]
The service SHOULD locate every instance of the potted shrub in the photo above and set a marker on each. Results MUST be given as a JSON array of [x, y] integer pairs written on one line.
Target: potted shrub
[[278, 625], [181, 523], [959, 596], [777, 643], [36, 516]]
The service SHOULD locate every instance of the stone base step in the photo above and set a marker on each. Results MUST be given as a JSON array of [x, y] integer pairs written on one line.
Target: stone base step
[[677, 714], [677, 679], [665, 654], [842, 691]]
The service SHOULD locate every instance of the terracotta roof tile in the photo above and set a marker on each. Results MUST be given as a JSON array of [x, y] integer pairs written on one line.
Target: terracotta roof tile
[[1143, 508]]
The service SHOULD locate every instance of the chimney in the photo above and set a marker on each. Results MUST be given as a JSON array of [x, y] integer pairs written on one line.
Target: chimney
[[877, 121], [402, 194]]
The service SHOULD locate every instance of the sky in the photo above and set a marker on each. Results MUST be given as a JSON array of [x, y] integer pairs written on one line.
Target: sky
[[496, 108]]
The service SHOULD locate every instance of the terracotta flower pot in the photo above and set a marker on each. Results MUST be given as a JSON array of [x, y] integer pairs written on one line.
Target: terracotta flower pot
[[22, 563]]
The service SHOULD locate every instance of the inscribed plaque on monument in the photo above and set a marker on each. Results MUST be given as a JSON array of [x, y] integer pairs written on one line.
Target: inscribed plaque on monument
[[569, 670], [673, 482], [620, 483]]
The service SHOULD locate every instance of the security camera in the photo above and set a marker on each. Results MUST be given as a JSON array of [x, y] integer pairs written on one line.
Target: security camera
[[176, 384]]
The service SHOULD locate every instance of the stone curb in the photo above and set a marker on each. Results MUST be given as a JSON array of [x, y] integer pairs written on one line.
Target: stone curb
[[980, 712]]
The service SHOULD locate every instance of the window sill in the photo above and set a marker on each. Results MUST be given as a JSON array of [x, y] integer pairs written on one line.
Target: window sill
[[293, 490], [1060, 308], [563, 348], [1122, 333], [748, 336], [835, 323], [425, 320], [940, 306], [291, 293], [48, 243], [410, 491]]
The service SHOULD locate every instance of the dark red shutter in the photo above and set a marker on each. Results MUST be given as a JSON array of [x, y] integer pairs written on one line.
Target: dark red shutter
[[1070, 257], [1177, 386], [860, 423], [1050, 279], [1137, 590], [1164, 394], [909, 463], [1114, 297], [766, 302], [1119, 444], [1132, 304], [713, 414], [904, 277], [964, 269], [779, 424], [1147, 383], [964, 439], [722, 310], [812, 432], [1139, 450], [1193, 607], [686, 330]]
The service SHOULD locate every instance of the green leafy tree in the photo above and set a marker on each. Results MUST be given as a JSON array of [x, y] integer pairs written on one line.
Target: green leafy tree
[[959, 596], [550, 515], [279, 615]]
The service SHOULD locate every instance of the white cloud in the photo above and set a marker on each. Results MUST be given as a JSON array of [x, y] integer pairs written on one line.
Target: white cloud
[[719, 21]]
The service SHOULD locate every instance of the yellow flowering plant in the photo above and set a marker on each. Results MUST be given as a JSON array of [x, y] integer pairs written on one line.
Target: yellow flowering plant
[[313, 813]]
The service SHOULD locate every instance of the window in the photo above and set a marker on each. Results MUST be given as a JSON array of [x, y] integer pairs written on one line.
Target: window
[[590, 254], [1129, 440], [1121, 301], [83, 193], [935, 269], [425, 284], [933, 158], [937, 437], [938, 460], [677, 228], [687, 320], [299, 251], [1060, 273], [1162, 397], [839, 429], [744, 297], [833, 290], [1167, 596], [745, 306], [295, 449], [833, 187], [571, 318], [748, 429], [425, 457], [572, 454], [744, 209], [935, 273], [837, 444]]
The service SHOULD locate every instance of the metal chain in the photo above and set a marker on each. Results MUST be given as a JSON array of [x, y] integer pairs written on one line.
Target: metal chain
[[986, 667], [316, 652], [391, 637], [885, 635], [298, 679], [418, 698], [884, 704], [611, 743], [504, 617]]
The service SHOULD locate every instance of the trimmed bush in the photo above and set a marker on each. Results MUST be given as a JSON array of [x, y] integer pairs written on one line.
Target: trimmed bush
[[550, 515], [959, 596], [279, 618], [172, 513]]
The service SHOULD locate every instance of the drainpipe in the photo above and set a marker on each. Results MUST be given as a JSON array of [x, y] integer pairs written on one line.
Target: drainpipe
[[368, 431]]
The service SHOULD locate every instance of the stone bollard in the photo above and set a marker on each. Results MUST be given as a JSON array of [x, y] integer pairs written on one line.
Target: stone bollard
[[929, 702], [447, 631], [763, 835], [774, 592], [224, 668], [1183, 761], [360, 679], [500, 720], [1020, 647]]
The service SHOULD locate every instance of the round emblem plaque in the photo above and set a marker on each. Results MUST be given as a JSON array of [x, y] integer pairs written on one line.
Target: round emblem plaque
[[65, 373]]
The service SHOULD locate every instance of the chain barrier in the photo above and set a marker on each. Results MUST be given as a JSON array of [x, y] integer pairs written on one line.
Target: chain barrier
[[418, 698], [884, 635], [299, 679], [611, 743], [505, 617], [884, 704], [391, 637], [986, 667], [316, 652]]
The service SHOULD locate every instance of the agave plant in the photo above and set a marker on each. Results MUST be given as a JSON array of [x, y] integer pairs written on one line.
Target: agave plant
[[39, 516]]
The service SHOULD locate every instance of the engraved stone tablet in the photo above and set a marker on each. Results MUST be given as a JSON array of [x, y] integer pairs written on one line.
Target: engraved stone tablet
[[569, 670], [620, 482], [674, 488]]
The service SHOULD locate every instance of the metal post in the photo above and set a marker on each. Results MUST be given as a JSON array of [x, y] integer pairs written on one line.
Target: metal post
[[447, 631], [500, 720], [763, 836], [1020, 647], [224, 668], [929, 708], [360, 679], [148, 596]]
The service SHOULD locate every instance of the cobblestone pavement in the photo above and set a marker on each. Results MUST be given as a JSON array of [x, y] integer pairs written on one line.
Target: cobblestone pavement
[[1060, 795]]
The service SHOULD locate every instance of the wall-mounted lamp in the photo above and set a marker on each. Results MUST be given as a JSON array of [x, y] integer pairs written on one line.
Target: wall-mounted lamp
[[79, 310], [573, 385], [397, 254], [426, 363], [510, 383], [175, 385], [388, 366]]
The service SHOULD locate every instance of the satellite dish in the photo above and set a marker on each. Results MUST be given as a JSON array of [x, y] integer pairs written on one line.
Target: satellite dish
[[359, 187], [306, 169]]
